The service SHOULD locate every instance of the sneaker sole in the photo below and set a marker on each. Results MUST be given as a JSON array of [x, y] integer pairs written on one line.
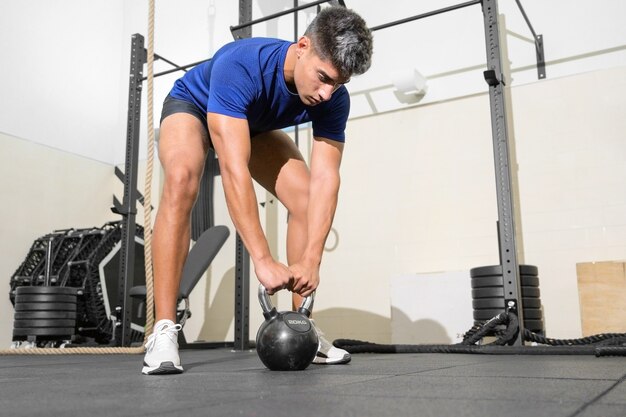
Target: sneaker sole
[[319, 360], [165, 368]]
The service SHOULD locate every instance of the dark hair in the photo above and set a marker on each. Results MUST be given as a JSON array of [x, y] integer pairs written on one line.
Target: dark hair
[[341, 36]]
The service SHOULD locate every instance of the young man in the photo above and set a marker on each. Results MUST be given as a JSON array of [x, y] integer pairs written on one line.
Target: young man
[[237, 103]]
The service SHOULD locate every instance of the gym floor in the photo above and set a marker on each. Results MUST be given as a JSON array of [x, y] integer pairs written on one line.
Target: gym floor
[[219, 382]]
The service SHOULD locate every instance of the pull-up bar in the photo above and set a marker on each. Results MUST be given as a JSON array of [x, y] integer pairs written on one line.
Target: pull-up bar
[[183, 68], [423, 15], [541, 65], [234, 29]]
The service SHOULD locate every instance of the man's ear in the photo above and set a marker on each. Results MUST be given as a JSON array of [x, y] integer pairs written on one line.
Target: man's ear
[[303, 44]]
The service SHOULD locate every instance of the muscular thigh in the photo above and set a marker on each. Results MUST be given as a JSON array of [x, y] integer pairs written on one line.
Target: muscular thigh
[[277, 164], [183, 145]]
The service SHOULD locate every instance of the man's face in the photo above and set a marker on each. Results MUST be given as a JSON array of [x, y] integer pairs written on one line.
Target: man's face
[[316, 80]]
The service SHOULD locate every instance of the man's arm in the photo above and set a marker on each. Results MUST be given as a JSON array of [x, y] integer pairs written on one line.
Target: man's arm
[[323, 192], [231, 139]]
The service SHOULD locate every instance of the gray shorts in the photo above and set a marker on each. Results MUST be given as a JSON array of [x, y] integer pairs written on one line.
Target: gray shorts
[[173, 105]]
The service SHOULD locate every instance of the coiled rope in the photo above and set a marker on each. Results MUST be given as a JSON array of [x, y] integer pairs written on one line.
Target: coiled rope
[[607, 344], [147, 233]]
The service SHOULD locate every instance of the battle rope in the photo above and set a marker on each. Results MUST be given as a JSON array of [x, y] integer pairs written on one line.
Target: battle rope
[[608, 344], [147, 234]]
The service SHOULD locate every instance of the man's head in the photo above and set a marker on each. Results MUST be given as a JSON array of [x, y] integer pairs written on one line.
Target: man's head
[[341, 37], [335, 46]]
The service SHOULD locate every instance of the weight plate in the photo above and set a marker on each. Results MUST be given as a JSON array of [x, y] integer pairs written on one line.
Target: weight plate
[[45, 331], [491, 281], [497, 270], [529, 270], [487, 314], [493, 292], [498, 292], [530, 292], [45, 315], [21, 324], [532, 314], [496, 281], [45, 307], [530, 281], [534, 325], [45, 298], [46, 290], [531, 302], [486, 303]]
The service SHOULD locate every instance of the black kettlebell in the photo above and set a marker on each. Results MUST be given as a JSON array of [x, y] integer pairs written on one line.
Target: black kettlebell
[[287, 340]]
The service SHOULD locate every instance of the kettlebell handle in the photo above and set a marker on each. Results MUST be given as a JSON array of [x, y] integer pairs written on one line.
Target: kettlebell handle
[[269, 310]]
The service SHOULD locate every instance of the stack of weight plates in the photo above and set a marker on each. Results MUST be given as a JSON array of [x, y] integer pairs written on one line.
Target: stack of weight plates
[[44, 313], [488, 295]]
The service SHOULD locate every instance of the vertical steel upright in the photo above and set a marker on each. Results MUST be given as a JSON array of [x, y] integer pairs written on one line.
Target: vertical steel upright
[[128, 209], [242, 257], [296, 129], [506, 220]]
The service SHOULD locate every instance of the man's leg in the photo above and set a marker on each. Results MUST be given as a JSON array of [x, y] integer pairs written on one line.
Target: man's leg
[[183, 146], [277, 164]]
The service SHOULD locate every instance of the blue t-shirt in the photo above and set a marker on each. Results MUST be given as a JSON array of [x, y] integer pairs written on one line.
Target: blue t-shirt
[[245, 79]]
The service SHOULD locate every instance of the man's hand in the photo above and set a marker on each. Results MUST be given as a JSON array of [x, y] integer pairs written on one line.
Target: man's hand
[[273, 275], [306, 277]]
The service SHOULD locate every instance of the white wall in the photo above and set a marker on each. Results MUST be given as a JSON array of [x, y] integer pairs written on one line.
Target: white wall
[[61, 74]]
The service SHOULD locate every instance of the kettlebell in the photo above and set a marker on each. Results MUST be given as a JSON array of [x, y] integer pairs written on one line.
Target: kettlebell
[[286, 340]]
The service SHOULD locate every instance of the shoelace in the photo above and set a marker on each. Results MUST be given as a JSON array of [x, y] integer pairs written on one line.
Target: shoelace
[[171, 332]]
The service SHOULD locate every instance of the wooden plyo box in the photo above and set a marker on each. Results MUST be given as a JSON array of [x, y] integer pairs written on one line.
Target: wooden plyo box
[[602, 293]]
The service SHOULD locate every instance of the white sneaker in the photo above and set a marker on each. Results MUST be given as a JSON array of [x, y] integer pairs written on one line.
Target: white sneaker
[[327, 354], [162, 350]]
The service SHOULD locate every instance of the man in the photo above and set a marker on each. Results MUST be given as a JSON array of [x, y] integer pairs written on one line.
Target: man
[[237, 103]]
